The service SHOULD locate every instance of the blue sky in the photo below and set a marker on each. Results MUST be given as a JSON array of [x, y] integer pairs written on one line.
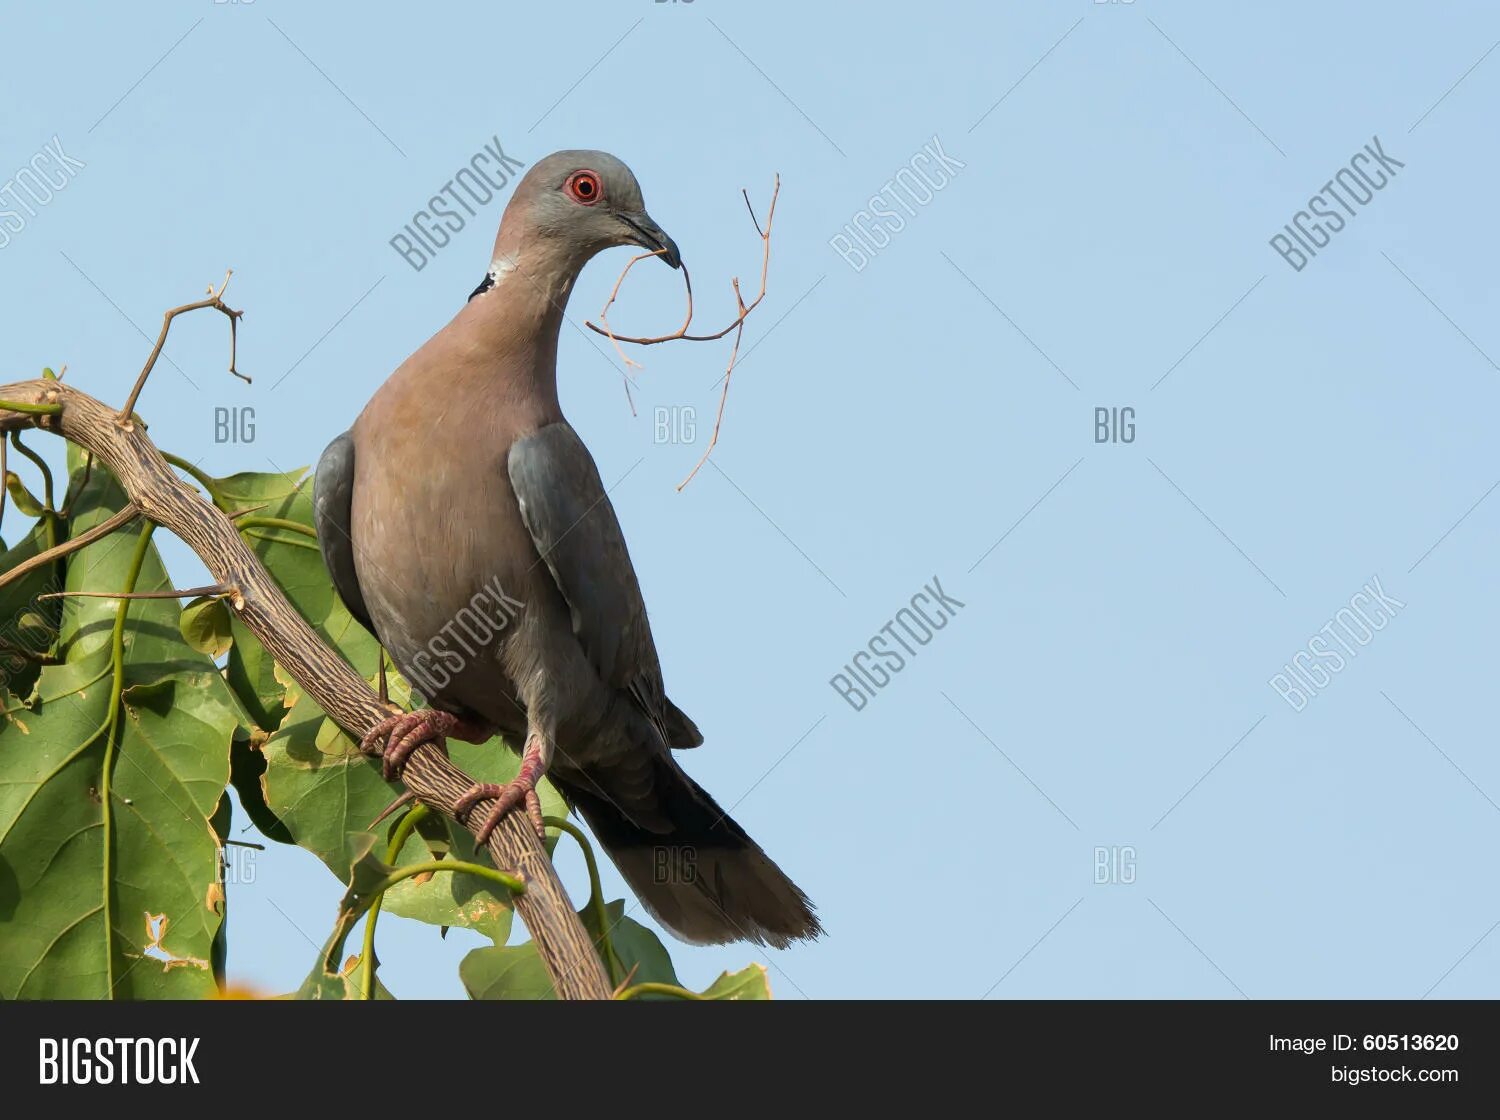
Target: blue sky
[[1105, 686]]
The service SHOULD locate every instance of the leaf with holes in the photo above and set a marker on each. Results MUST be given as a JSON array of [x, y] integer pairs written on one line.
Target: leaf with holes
[[114, 897]]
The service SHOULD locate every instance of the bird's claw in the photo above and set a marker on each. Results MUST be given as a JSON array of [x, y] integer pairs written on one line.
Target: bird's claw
[[521, 790], [406, 798], [405, 732]]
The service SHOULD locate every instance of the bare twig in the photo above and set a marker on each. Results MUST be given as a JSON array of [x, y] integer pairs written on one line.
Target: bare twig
[[171, 593], [681, 332], [751, 208], [614, 294], [631, 363], [215, 301], [737, 324], [734, 354], [103, 529]]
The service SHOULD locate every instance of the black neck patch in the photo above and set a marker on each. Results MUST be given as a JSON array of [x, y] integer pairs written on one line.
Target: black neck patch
[[485, 285]]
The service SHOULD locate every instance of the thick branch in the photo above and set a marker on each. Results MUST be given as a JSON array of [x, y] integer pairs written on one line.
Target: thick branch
[[161, 496]]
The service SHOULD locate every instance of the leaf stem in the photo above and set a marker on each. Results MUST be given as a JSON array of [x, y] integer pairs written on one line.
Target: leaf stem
[[276, 523], [392, 853], [112, 729], [41, 465], [457, 866], [612, 963], [292, 542], [655, 988], [203, 478], [49, 515], [31, 409], [510, 882]]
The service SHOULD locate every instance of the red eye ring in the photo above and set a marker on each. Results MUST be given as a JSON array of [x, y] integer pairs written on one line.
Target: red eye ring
[[585, 187]]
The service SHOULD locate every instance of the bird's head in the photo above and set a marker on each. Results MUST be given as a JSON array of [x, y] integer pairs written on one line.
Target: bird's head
[[582, 202]]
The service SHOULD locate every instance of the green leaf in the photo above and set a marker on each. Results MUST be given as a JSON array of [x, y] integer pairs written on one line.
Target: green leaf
[[322, 788], [246, 768], [343, 984], [143, 923], [221, 822], [636, 946], [28, 623], [329, 979], [750, 982], [510, 972], [301, 575], [517, 972], [319, 785], [251, 673], [22, 498], [446, 899], [205, 626], [366, 874]]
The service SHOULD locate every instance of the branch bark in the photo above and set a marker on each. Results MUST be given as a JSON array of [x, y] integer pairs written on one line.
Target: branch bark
[[153, 487]]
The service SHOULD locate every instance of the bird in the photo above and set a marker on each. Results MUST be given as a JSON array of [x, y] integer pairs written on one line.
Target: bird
[[461, 486]]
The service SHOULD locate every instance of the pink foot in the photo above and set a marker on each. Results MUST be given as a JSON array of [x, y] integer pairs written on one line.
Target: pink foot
[[406, 731], [518, 791]]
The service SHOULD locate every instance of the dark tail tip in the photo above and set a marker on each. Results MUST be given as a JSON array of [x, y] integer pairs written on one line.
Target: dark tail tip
[[704, 879], [709, 896]]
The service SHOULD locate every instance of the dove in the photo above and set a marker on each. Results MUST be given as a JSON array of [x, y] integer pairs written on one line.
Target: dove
[[461, 483]]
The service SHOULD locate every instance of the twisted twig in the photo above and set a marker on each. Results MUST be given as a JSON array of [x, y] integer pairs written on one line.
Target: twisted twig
[[737, 324], [215, 301]]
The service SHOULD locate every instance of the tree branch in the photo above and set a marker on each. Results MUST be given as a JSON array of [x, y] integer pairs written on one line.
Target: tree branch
[[215, 301], [57, 552], [153, 487]]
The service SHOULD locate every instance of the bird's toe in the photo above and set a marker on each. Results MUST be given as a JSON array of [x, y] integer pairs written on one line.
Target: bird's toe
[[507, 798], [396, 737]]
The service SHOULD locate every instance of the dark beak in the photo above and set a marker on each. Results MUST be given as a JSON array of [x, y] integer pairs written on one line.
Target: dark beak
[[651, 236]]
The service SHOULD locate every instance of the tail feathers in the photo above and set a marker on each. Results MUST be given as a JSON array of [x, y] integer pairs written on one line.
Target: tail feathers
[[705, 879], [682, 732], [732, 895]]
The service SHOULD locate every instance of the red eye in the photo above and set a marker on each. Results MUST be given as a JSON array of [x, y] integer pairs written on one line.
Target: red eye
[[585, 187]]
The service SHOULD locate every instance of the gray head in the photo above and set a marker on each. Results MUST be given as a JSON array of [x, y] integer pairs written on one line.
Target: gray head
[[577, 203]]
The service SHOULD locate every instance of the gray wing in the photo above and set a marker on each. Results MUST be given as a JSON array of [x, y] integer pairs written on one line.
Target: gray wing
[[333, 500], [574, 528]]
